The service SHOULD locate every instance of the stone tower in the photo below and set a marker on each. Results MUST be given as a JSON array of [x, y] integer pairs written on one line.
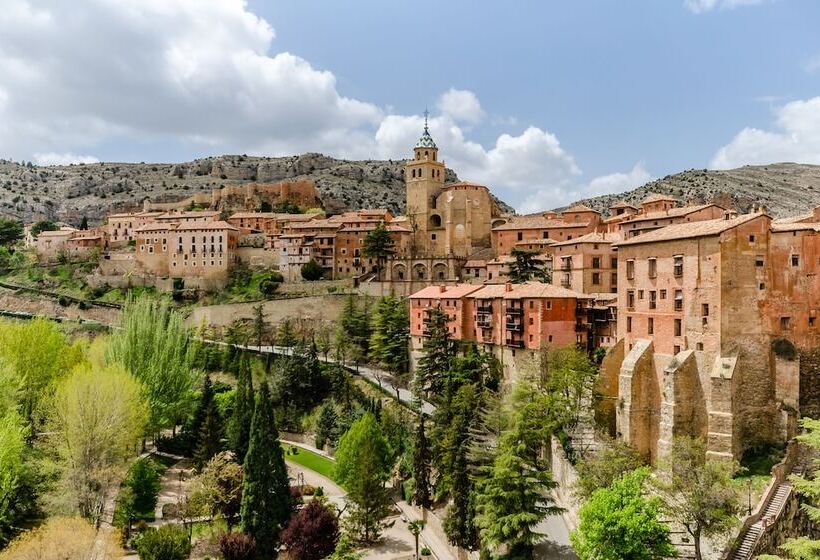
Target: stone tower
[[424, 177]]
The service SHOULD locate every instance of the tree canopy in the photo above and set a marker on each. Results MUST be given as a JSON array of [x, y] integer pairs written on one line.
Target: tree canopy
[[526, 267]]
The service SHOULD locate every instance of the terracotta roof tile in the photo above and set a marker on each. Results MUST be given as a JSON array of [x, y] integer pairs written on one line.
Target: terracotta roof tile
[[594, 237], [689, 229], [452, 291], [526, 290], [671, 213], [657, 197], [537, 222]]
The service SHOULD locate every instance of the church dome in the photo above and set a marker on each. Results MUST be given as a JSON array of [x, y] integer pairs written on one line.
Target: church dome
[[426, 141]]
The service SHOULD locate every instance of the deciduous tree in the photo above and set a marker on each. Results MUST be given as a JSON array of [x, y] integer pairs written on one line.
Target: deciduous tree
[[63, 537], [612, 461], [312, 533], [169, 542]]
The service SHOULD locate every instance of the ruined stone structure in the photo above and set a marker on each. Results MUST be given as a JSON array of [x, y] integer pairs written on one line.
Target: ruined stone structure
[[250, 196]]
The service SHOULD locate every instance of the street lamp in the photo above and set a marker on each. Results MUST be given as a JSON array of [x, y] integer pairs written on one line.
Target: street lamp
[[749, 483]]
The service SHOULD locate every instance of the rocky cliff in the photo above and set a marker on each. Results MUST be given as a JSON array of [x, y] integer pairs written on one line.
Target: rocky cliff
[[68, 193]]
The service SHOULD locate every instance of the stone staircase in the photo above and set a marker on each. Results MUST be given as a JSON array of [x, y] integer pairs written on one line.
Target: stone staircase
[[753, 533]]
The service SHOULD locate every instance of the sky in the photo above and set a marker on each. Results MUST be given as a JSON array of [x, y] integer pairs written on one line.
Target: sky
[[545, 102]]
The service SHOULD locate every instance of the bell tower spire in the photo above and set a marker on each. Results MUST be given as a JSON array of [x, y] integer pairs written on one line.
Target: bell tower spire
[[424, 179]]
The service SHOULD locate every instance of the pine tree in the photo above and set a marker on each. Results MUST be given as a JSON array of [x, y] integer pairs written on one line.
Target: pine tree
[[194, 427], [326, 425], [390, 335], [210, 437], [438, 348], [421, 467], [239, 429], [378, 245], [526, 268], [259, 325], [266, 501]]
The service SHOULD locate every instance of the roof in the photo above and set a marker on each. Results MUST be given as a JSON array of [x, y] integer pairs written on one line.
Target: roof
[[794, 226], [537, 242], [136, 214], [580, 208], [657, 197], [623, 204], [453, 291], [57, 233], [239, 215], [425, 141], [671, 213], [594, 237], [476, 263], [537, 222], [482, 254], [689, 230], [462, 184], [526, 290], [171, 216], [186, 226]]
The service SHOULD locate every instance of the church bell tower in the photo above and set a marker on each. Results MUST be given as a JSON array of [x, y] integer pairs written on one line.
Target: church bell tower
[[424, 178]]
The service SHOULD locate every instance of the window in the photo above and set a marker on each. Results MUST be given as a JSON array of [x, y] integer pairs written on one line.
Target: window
[[653, 299], [614, 279], [630, 299], [520, 235], [629, 324], [630, 269], [795, 260], [785, 323], [663, 294], [678, 327], [531, 321], [596, 278], [704, 309], [678, 300], [549, 305], [759, 261], [751, 239], [614, 263], [549, 338], [596, 262], [677, 261], [676, 349], [433, 236], [811, 321], [640, 294], [653, 268], [545, 235], [650, 326]]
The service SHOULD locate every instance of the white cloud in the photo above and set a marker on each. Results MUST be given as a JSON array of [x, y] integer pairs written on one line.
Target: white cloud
[[795, 137], [202, 76], [701, 6], [619, 182], [52, 158], [461, 105]]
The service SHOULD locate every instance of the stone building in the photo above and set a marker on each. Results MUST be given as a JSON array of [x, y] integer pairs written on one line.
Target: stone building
[[569, 224]]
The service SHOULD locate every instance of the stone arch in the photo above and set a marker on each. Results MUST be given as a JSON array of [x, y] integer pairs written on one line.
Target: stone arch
[[498, 222], [399, 272], [439, 271], [435, 220], [419, 271]]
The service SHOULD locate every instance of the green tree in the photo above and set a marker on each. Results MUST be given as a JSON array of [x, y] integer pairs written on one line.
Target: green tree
[[437, 350], [421, 467], [157, 348], [569, 378], [390, 339], [266, 501], [259, 325], [379, 245], [525, 267], [219, 487], [98, 417], [12, 471], [312, 533], [193, 429], [416, 527], [239, 428], [10, 231], [363, 467], [286, 336], [44, 225], [169, 542], [697, 492], [621, 523], [345, 550], [84, 223], [144, 482], [312, 271], [326, 425], [513, 500], [611, 462], [210, 437]]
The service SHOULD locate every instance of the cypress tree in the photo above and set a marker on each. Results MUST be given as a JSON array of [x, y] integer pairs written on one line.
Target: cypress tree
[[206, 399], [266, 501], [210, 437], [239, 430], [438, 349], [421, 467]]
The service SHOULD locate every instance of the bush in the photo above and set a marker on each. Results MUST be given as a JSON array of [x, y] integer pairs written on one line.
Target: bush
[[312, 270], [169, 542], [426, 552], [143, 479], [237, 546]]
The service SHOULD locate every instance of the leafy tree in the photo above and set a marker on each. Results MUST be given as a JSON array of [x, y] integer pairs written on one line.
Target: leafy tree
[[266, 501], [12, 471], [144, 482], [219, 487], [378, 245], [437, 348], [363, 467], [259, 325], [526, 268], [286, 336], [354, 327], [237, 546], [620, 523], [169, 542], [312, 270], [421, 467], [313, 532], [416, 527], [210, 438], [265, 206], [569, 377], [44, 225], [300, 382], [269, 285], [97, 420], [513, 500], [10, 231], [697, 492], [287, 207], [345, 550], [608, 464], [389, 341], [239, 428], [63, 537], [156, 347]]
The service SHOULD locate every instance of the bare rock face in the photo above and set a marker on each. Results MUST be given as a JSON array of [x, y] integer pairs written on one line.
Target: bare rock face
[[785, 189]]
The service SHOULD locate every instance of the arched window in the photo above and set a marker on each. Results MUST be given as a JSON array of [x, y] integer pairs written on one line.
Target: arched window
[[435, 220]]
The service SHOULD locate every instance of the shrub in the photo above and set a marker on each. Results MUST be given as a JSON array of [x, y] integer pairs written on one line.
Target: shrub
[[312, 533], [237, 546], [426, 552], [143, 479], [169, 542], [312, 270]]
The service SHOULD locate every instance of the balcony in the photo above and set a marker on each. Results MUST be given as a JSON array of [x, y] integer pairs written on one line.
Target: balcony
[[566, 283], [484, 324], [485, 308], [515, 343], [514, 327], [514, 310], [581, 327]]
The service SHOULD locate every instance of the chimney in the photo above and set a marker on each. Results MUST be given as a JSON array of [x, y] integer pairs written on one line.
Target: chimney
[[507, 287], [442, 288]]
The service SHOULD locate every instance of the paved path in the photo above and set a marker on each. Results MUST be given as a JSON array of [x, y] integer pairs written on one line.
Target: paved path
[[556, 544]]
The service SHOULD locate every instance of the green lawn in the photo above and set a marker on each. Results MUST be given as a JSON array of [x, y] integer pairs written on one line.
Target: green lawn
[[310, 460]]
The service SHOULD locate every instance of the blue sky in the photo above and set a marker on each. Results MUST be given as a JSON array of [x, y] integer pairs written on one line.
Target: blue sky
[[543, 101]]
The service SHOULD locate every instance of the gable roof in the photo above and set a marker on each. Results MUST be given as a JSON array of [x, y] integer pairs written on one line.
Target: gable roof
[[445, 292], [689, 229], [657, 197]]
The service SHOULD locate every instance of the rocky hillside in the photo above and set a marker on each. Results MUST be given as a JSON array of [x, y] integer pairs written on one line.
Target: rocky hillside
[[784, 188], [68, 193]]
